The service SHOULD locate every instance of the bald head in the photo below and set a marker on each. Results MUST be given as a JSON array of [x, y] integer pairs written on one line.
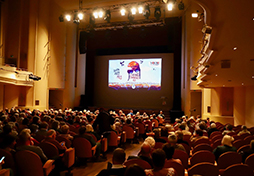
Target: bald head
[[119, 156], [145, 148]]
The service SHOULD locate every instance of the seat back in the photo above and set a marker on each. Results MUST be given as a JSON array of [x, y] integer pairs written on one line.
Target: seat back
[[141, 127], [243, 148], [158, 145], [250, 161], [216, 137], [142, 163], [228, 158], [238, 143], [83, 148], [201, 141], [204, 169], [202, 156], [216, 143], [62, 138], [49, 149], [214, 134], [238, 169], [248, 139], [244, 135], [129, 132], [183, 156], [114, 140], [187, 148], [28, 163], [177, 166], [200, 147]]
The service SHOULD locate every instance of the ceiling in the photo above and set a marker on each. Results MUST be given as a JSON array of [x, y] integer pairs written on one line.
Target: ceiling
[[233, 27]]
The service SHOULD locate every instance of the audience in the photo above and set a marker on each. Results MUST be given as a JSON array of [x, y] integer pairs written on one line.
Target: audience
[[248, 152], [212, 129], [133, 170], [229, 128], [172, 139], [169, 151], [243, 131]]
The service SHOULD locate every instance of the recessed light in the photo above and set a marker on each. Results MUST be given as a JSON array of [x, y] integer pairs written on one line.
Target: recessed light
[[253, 19], [252, 77], [235, 48], [216, 75], [242, 84], [223, 85]]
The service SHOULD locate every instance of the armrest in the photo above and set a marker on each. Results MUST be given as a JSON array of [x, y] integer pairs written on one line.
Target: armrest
[[104, 144], [94, 149], [48, 167], [137, 131], [5, 172], [123, 136], [69, 157]]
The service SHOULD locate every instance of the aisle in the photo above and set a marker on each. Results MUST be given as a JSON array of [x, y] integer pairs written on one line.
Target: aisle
[[93, 168]]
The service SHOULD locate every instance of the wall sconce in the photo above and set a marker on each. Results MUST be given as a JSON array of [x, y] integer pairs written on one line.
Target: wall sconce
[[157, 13], [198, 15]]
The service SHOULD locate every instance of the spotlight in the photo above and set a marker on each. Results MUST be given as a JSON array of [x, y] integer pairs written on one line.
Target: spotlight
[[194, 78], [80, 15], [107, 16], [95, 14], [100, 14], [194, 15], [61, 18], [68, 17], [140, 9], [157, 13], [170, 6], [34, 77], [133, 11], [146, 12], [122, 11], [181, 6]]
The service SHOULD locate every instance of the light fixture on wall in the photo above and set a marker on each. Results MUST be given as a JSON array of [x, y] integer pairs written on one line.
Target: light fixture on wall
[[146, 12], [198, 15], [157, 13]]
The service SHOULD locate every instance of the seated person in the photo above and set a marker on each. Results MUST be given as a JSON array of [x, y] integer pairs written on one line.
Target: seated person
[[225, 147], [89, 129], [144, 154], [179, 135], [134, 169], [169, 151], [159, 158], [65, 132], [51, 138], [25, 144], [82, 133], [198, 134], [248, 152], [212, 129], [172, 139], [229, 128], [182, 127], [243, 131], [117, 169], [157, 136]]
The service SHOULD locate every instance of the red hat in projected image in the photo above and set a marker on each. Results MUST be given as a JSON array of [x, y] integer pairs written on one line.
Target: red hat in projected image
[[134, 66]]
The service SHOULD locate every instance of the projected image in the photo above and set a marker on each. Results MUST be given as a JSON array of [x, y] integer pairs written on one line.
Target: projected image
[[135, 74]]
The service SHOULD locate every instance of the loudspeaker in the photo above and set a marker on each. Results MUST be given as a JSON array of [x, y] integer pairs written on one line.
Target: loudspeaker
[[83, 36]]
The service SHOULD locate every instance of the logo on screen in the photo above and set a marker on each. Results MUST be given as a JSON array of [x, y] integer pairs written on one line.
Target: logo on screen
[[134, 71]]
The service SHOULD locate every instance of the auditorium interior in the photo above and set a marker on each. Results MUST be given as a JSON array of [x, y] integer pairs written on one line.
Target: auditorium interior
[[55, 54]]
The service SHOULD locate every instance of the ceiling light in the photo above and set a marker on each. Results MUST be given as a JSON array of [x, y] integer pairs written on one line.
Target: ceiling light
[[252, 77], [235, 48], [242, 84], [170, 6], [216, 75], [68, 17], [133, 11], [80, 15], [122, 11], [140, 10], [223, 85], [253, 19]]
